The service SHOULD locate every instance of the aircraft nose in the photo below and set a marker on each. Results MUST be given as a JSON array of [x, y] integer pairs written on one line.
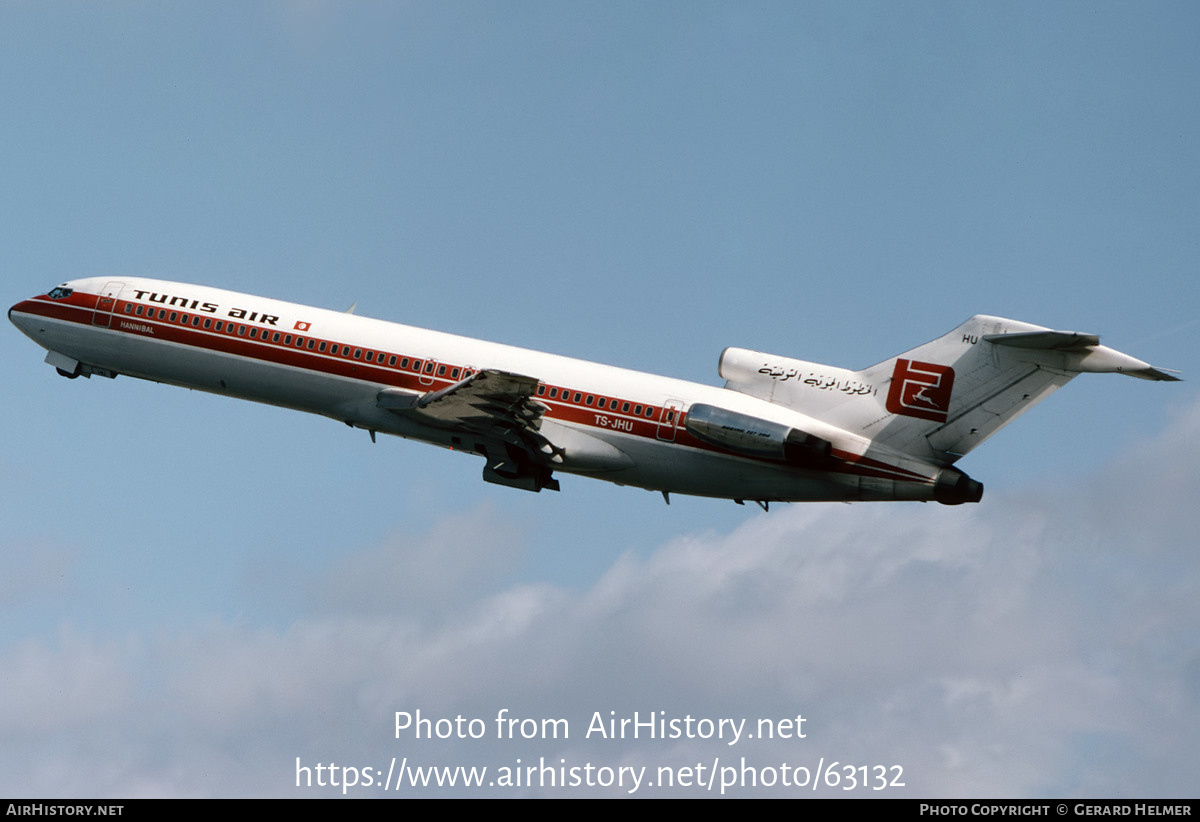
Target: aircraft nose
[[21, 315]]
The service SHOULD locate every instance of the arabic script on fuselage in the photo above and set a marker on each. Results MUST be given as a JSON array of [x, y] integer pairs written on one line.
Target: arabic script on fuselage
[[817, 380]]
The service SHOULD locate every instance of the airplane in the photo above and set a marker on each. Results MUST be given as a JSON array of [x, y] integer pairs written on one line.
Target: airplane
[[781, 429]]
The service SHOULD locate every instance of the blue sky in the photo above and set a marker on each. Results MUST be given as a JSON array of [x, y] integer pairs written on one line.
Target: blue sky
[[197, 591]]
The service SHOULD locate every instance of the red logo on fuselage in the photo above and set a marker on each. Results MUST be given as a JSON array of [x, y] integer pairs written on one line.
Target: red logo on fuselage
[[921, 389]]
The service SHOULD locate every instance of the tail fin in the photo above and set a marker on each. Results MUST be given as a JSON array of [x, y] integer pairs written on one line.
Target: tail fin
[[944, 398]]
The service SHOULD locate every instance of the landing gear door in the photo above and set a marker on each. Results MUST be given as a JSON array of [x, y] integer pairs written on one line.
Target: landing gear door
[[105, 303]]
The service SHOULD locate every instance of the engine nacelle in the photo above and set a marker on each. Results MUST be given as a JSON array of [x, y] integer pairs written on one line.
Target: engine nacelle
[[755, 437], [953, 487]]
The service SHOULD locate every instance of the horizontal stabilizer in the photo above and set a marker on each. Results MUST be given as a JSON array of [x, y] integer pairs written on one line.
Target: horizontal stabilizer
[[1045, 340], [1089, 355]]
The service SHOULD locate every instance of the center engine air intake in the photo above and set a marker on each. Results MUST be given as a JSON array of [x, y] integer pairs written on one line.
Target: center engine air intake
[[755, 437]]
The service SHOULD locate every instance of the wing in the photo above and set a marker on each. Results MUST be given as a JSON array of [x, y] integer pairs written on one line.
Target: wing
[[497, 407]]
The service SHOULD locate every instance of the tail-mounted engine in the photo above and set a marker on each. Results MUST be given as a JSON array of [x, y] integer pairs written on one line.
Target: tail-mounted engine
[[755, 437]]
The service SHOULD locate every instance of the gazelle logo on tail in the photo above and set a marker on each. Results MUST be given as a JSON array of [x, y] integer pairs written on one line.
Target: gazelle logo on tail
[[921, 389]]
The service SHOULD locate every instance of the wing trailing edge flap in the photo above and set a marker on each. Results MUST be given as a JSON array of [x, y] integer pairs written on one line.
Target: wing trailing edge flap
[[491, 404], [498, 409]]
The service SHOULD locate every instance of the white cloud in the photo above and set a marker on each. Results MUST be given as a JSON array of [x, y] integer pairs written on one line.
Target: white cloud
[[1037, 644]]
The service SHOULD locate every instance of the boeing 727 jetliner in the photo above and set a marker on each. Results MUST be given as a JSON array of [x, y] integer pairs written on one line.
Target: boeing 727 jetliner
[[780, 429]]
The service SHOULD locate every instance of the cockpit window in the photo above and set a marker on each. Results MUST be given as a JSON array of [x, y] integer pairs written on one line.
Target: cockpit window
[[60, 293]]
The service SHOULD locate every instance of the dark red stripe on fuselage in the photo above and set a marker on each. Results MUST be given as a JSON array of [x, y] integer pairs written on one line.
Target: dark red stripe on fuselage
[[233, 339]]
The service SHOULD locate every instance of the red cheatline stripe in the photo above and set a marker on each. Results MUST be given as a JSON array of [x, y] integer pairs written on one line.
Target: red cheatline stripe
[[80, 308]]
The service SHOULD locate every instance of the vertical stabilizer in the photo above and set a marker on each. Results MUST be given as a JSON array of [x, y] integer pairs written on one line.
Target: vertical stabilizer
[[941, 399]]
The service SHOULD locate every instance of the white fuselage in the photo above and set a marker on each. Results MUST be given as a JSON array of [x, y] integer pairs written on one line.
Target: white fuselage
[[337, 364]]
